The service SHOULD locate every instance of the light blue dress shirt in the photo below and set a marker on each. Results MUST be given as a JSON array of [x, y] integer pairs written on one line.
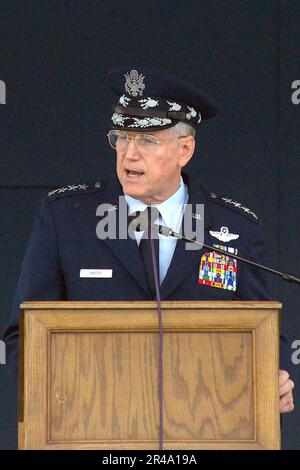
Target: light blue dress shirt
[[171, 213]]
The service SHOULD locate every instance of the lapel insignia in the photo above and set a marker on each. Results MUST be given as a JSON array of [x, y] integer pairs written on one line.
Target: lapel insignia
[[217, 270], [224, 235]]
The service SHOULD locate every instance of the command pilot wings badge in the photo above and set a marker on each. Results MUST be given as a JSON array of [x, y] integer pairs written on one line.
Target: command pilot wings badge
[[224, 235]]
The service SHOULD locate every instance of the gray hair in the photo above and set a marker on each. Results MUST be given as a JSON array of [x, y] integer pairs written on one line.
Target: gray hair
[[183, 128]]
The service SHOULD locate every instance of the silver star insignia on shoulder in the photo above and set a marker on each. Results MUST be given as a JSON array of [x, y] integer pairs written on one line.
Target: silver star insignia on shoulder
[[70, 187], [239, 205]]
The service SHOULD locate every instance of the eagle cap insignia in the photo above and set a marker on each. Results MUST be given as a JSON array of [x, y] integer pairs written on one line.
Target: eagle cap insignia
[[134, 83]]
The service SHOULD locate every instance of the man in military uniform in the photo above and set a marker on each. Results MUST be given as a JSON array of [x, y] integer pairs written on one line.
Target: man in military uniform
[[152, 129]]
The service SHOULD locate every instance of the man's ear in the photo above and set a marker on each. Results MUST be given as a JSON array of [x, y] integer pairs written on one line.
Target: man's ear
[[187, 148]]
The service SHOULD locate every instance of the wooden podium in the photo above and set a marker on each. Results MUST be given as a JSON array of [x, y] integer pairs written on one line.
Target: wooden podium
[[89, 375]]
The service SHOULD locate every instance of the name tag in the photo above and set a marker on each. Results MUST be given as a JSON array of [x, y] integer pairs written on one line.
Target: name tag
[[99, 273]]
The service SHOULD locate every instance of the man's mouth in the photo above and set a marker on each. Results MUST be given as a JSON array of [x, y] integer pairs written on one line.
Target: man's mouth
[[134, 174]]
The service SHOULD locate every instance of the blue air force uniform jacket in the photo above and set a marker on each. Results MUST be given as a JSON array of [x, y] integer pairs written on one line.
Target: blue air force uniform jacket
[[64, 241]]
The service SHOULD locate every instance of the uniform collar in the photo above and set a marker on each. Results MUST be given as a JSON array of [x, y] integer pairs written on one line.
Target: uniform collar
[[133, 263], [196, 195]]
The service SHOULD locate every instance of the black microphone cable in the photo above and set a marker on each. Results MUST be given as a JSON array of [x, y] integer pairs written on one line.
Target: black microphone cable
[[140, 221], [160, 356]]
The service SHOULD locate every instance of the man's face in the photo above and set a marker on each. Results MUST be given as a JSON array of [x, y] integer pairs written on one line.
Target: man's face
[[154, 177]]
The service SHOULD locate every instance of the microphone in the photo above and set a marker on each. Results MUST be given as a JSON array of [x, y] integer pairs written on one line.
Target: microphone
[[168, 232], [139, 222]]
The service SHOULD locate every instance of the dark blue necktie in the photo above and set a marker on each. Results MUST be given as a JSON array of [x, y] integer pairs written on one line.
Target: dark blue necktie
[[152, 214]]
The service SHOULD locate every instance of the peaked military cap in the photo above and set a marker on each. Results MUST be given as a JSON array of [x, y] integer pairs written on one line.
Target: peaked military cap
[[149, 100]]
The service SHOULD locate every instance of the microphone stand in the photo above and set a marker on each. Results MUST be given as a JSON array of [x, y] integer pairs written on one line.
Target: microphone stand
[[160, 361], [141, 223], [168, 232]]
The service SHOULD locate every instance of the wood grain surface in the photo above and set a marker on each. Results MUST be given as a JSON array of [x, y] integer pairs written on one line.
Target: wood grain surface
[[105, 386], [89, 375]]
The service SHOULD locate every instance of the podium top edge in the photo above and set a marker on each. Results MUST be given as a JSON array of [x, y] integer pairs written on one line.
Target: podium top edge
[[151, 304]]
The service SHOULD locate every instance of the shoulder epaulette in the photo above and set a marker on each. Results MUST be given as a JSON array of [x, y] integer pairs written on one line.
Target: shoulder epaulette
[[234, 205], [75, 189]]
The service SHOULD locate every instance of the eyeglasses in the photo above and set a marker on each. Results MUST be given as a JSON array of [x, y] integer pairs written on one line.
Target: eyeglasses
[[145, 143]]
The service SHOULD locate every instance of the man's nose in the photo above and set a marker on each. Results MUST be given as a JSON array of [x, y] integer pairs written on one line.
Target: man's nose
[[132, 152]]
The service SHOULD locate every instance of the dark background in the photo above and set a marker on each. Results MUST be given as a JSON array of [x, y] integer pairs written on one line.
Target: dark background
[[54, 56]]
